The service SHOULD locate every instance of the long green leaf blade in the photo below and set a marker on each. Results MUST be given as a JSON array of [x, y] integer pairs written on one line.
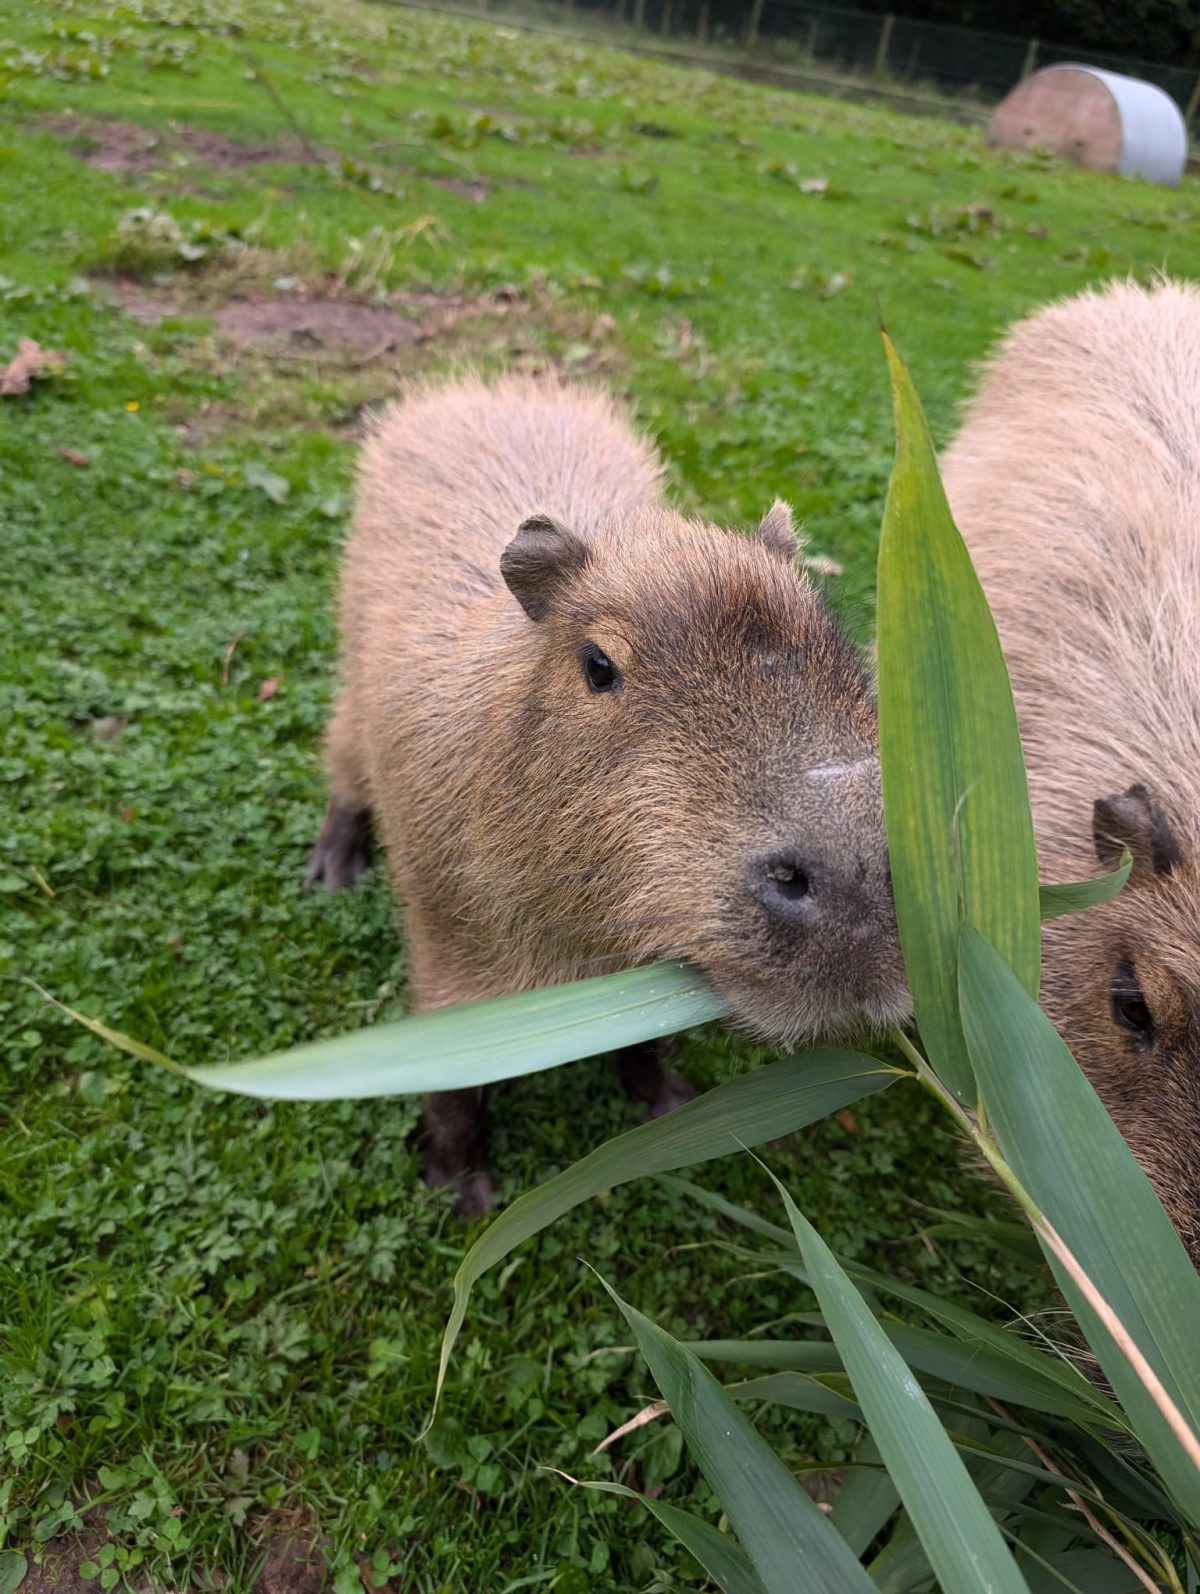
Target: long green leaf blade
[[1073, 897], [792, 1544], [954, 790], [721, 1556], [1092, 1190], [763, 1105], [964, 1545], [478, 1043]]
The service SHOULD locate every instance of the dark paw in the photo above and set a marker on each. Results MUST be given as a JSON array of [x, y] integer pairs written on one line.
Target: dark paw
[[673, 1091], [475, 1191], [342, 854]]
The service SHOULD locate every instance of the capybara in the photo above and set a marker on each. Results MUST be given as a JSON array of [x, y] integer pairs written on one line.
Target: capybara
[[1076, 483], [592, 733]]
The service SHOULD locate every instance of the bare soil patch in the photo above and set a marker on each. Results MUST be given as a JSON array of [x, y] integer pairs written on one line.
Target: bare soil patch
[[341, 327], [129, 148], [470, 188], [293, 1561], [336, 327], [58, 1572]]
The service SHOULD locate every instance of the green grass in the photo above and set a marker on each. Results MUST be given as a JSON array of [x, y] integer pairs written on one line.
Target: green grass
[[220, 1321]]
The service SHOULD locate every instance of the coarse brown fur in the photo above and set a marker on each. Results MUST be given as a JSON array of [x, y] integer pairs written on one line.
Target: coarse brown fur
[[1076, 483], [539, 830]]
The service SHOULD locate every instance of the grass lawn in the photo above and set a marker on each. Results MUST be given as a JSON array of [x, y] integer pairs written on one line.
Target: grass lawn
[[219, 1321]]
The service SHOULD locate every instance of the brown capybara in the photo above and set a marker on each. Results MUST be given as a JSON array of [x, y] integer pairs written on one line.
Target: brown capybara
[[1076, 483], [592, 733]]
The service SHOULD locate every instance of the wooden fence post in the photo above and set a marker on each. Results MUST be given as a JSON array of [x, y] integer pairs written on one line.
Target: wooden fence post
[[885, 40], [1193, 104], [1030, 60], [702, 25], [664, 22], [639, 13], [752, 27]]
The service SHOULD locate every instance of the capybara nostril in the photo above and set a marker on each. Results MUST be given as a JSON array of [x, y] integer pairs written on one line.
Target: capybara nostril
[[785, 884]]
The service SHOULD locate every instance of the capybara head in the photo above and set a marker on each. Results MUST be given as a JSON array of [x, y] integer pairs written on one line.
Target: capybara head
[[1123, 986], [692, 768]]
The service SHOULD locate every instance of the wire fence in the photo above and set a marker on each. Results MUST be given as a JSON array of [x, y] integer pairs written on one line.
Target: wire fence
[[871, 49]]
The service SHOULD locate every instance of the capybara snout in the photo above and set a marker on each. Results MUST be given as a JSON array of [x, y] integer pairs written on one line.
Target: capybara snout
[[594, 733], [697, 685]]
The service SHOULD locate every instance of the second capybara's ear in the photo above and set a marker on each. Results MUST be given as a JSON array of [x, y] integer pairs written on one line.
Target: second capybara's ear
[[777, 530], [540, 561], [1133, 820]]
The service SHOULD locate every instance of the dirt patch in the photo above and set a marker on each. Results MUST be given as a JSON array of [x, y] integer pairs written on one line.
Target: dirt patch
[[291, 1559], [58, 1572], [469, 188], [331, 326], [341, 327], [148, 304], [129, 148]]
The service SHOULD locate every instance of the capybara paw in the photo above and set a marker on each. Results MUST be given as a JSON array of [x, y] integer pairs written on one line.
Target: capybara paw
[[673, 1092], [476, 1193], [342, 854]]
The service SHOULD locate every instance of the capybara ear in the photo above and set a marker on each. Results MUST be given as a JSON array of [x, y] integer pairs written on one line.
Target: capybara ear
[[1133, 820], [777, 530], [539, 561]]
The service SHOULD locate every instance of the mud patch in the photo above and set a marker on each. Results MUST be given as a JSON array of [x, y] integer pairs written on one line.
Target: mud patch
[[335, 328], [128, 148], [58, 1572], [292, 1561], [469, 188], [340, 327]]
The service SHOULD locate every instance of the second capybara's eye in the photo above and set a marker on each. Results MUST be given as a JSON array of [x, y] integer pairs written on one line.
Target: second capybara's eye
[[602, 674], [1129, 1006]]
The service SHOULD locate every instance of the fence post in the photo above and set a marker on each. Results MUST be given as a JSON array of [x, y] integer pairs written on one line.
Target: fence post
[[639, 13], [664, 23], [1030, 60], [756, 11], [885, 40], [1193, 104], [810, 44], [619, 13], [702, 25]]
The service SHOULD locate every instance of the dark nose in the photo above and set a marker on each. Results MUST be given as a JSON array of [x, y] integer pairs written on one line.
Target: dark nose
[[788, 886]]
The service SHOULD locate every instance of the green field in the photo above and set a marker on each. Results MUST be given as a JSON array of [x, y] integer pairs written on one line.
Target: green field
[[219, 1322]]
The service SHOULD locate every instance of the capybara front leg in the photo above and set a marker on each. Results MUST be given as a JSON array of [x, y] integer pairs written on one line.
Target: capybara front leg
[[342, 853], [646, 1079], [454, 1152]]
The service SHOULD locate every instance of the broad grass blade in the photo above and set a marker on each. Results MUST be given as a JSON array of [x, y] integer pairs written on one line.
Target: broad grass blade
[[1096, 1196], [963, 1543], [964, 1364], [798, 1392], [721, 1556], [866, 1500], [772, 1101], [955, 795], [1054, 901], [478, 1043], [792, 1544]]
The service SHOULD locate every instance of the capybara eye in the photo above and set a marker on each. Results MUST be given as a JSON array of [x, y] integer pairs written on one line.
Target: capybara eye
[[1129, 1006], [600, 670]]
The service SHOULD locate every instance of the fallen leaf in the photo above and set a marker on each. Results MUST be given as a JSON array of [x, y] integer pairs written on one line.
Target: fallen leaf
[[814, 185], [30, 361], [73, 457], [276, 487], [128, 815], [847, 1120], [109, 728], [228, 659], [268, 689]]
